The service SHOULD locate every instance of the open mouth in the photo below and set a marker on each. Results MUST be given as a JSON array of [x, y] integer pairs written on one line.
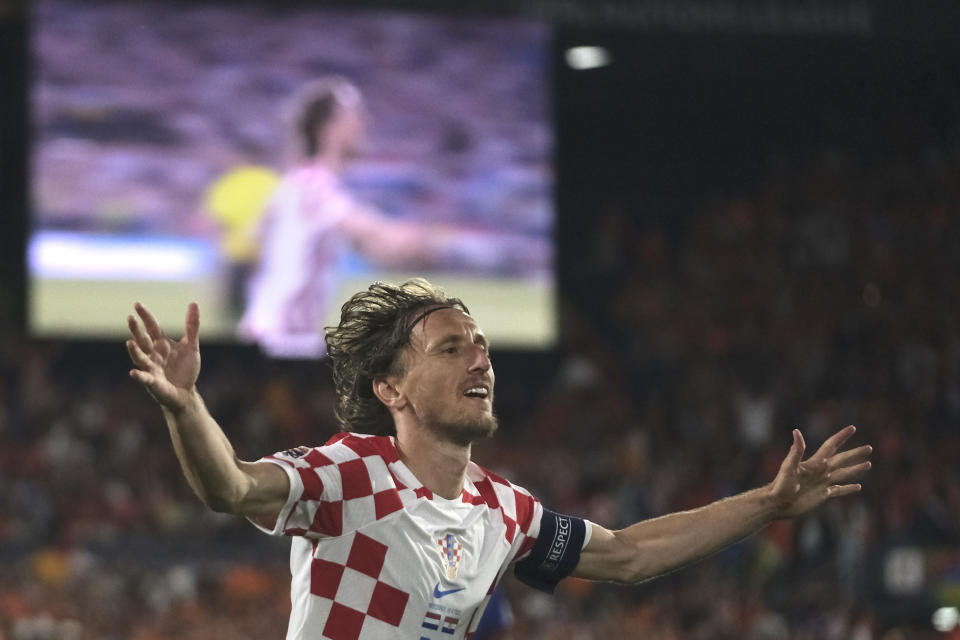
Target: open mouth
[[477, 392]]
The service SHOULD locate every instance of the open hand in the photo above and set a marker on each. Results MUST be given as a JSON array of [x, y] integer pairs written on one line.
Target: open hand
[[168, 369], [801, 485]]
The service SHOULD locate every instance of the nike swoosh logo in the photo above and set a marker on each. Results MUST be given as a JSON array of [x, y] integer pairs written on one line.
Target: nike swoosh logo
[[439, 594]]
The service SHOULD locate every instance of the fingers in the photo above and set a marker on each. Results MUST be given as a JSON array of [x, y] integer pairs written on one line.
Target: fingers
[[834, 442], [799, 445], [142, 377], [846, 473], [840, 490], [151, 324], [141, 360], [143, 340], [795, 455], [151, 330], [193, 324], [138, 356], [848, 458]]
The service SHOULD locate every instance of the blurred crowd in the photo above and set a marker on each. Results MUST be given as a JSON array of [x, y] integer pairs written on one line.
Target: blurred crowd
[[823, 296], [131, 142]]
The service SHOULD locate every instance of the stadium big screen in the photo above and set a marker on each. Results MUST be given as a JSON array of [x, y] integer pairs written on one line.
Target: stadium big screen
[[162, 130]]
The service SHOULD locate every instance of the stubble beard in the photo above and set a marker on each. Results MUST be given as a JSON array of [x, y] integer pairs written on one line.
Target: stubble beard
[[466, 431]]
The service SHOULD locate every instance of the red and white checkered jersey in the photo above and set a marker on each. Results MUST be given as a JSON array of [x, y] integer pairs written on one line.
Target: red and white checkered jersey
[[375, 554]]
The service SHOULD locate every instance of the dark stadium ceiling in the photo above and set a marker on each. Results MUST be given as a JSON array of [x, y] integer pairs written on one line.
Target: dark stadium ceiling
[[932, 19]]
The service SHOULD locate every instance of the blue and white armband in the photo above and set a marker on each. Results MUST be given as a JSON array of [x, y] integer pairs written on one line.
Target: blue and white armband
[[556, 552]]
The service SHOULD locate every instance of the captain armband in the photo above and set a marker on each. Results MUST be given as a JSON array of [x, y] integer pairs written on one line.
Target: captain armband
[[556, 552]]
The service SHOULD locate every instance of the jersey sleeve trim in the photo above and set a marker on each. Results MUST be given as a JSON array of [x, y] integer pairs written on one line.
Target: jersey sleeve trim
[[278, 526]]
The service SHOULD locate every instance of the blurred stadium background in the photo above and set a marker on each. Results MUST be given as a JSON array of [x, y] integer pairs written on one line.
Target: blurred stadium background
[[759, 228]]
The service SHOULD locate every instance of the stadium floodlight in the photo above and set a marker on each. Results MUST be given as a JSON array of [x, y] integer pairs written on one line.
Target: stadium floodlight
[[946, 619], [581, 58]]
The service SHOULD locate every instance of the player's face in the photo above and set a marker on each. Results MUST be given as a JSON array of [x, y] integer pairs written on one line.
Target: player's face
[[448, 378], [349, 127]]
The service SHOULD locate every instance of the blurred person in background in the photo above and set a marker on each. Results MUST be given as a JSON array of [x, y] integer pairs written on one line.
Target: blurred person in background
[[312, 221], [394, 530]]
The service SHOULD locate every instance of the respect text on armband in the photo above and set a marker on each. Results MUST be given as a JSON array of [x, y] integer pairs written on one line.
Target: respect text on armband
[[559, 545]]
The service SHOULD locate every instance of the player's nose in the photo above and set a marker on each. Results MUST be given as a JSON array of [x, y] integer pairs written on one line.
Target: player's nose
[[480, 359]]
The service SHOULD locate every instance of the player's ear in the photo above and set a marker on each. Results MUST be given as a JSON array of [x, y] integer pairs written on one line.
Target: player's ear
[[386, 390]]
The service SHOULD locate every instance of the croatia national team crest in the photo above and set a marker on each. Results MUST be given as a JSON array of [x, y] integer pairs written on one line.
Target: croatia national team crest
[[450, 552]]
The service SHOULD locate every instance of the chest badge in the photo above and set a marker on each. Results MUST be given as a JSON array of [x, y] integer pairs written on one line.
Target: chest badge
[[450, 553]]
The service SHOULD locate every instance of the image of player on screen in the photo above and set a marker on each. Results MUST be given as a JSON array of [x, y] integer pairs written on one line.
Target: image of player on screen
[[313, 221], [395, 532]]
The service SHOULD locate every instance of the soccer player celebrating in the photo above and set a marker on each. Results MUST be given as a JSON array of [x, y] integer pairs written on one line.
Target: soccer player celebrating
[[395, 532]]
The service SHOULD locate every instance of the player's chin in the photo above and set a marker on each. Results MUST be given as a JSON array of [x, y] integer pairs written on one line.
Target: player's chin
[[488, 426], [491, 424], [470, 429]]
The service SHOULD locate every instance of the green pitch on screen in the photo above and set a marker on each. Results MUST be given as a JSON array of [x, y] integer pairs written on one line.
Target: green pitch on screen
[[514, 314]]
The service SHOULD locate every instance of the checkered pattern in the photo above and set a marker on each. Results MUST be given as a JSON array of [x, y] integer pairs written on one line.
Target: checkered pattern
[[366, 536], [450, 548], [346, 484], [514, 503], [355, 590]]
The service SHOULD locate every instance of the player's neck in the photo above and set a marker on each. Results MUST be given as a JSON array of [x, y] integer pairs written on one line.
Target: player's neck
[[440, 465]]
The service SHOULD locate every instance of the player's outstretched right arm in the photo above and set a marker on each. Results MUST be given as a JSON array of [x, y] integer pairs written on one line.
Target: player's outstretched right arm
[[657, 546], [168, 369]]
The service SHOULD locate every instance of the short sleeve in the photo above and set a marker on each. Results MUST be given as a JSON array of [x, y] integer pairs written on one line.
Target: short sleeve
[[314, 505]]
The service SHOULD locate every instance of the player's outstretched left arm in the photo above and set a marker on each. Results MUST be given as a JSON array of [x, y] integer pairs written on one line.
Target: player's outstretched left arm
[[168, 369], [660, 545]]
